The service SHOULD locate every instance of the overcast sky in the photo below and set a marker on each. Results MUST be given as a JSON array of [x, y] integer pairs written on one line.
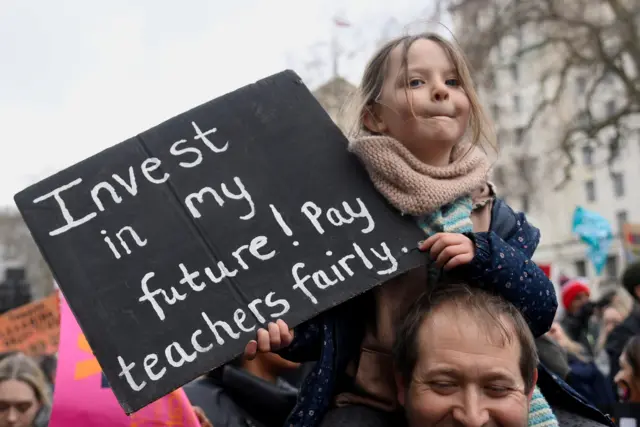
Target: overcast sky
[[78, 76]]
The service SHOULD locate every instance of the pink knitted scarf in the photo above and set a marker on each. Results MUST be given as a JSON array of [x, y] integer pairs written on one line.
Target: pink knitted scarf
[[412, 186]]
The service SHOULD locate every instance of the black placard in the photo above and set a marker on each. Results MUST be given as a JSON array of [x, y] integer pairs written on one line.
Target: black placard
[[238, 212]]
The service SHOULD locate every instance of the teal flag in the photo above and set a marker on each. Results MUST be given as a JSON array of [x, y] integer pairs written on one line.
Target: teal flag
[[594, 230]]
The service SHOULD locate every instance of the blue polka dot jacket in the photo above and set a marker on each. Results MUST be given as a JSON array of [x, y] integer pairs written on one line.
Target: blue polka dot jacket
[[502, 263]]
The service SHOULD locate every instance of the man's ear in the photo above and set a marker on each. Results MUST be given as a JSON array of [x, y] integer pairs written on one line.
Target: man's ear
[[401, 388], [535, 381], [372, 122]]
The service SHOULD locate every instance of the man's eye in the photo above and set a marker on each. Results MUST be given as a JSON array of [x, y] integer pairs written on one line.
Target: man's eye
[[416, 83], [443, 387], [497, 391]]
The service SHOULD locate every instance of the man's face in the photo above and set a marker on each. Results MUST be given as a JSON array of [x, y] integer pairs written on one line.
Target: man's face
[[578, 302], [466, 375]]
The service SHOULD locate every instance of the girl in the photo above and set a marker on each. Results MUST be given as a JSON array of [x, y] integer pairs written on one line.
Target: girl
[[420, 129]]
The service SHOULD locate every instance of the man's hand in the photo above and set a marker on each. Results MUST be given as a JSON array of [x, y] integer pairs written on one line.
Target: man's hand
[[449, 250]]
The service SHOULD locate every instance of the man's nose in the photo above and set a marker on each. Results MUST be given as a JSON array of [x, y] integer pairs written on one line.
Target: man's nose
[[440, 92], [471, 413], [12, 416]]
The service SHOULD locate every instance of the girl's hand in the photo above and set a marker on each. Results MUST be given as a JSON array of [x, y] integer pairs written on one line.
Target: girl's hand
[[449, 250], [276, 337]]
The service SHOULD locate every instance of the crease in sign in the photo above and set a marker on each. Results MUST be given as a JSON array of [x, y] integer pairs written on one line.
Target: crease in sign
[[200, 235]]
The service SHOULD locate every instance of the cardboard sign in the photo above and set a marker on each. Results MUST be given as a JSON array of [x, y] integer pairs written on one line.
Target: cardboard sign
[[83, 398], [173, 247], [33, 328]]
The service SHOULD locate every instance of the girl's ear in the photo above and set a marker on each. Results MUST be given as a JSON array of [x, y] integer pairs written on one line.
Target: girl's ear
[[372, 122]]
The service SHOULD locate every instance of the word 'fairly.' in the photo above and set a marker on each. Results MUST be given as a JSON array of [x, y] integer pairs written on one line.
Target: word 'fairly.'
[[150, 169]]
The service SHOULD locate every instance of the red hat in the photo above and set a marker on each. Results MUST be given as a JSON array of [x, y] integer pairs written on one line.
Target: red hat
[[571, 289]]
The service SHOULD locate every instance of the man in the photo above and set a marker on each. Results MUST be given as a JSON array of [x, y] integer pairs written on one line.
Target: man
[[619, 336], [466, 358]]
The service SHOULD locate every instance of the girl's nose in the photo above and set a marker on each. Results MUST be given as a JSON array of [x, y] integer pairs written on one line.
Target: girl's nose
[[440, 93]]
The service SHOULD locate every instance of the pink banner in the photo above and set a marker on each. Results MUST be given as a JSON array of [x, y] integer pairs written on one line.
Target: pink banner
[[83, 398]]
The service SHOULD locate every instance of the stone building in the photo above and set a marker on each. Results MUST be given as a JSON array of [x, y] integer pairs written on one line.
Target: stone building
[[334, 96], [511, 88], [24, 275]]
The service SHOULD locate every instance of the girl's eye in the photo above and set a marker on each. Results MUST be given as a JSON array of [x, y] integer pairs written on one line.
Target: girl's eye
[[452, 82], [416, 83]]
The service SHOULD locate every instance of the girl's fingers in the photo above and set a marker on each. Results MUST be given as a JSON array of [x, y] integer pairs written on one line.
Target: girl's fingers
[[447, 254], [426, 244], [286, 335], [457, 261], [263, 341], [274, 336], [251, 350]]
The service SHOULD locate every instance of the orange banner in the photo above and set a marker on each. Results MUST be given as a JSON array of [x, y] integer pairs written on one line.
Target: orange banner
[[33, 328]]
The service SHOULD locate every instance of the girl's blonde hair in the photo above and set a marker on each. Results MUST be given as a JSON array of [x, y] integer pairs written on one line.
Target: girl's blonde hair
[[20, 367], [482, 134]]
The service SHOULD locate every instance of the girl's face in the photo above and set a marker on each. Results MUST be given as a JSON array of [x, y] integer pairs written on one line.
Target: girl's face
[[427, 106], [18, 404], [628, 387]]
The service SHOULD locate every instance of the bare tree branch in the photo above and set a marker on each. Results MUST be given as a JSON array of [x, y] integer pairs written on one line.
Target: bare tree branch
[[595, 41]]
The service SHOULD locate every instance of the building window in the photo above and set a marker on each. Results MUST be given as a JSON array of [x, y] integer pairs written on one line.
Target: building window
[[621, 219], [587, 155], [581, 268], [499, 175], [525, 202], [582, 119], [581, 84], [495, 110], [611, 267], [516, 103], [611, 108], [518, 135], [618, 184], [514, 71], [590, 189]]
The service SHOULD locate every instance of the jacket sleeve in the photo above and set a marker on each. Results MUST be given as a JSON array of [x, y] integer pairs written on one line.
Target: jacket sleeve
[[307, 338], [505, 267]]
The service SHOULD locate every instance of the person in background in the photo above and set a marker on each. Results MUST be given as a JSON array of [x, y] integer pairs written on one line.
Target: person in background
[[247, 393], [630, 326], [578, 311], [49, 364], [25, 399], [627, 379], [583, 374], [614, 310]]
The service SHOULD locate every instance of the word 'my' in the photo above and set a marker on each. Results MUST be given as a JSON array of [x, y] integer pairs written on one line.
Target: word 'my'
[[150, 169]]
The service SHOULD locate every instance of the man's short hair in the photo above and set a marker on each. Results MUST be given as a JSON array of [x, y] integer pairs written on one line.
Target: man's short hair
[[631, 279], [489, 310]]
